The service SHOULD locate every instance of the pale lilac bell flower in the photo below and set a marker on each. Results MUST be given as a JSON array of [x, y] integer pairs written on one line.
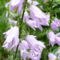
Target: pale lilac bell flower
[[35, 46], [54, 38], [32, 23], [51, 37], [31, 48], [38, 15], [55, 24], [15, 4], [12, 38]]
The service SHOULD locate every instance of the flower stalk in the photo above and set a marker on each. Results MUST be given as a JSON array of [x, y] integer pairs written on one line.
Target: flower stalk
[[20, 27]]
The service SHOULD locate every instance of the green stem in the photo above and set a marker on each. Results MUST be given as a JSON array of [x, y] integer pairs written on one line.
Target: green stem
[[16, 51], [21, 23], [20, 27]]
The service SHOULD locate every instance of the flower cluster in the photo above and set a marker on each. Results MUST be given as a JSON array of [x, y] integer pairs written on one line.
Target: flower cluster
[[35, 18]]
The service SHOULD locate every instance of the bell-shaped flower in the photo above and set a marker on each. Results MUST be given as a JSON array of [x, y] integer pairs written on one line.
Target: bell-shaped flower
[[38, 15], [54, 38], [51, 37], [16, 4], [31, 48], [30, 22], [55, 24], [12, 38], [36, 18], [35, 46]]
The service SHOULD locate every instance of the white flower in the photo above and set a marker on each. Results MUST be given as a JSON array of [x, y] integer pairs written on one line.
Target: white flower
[[12, 38]]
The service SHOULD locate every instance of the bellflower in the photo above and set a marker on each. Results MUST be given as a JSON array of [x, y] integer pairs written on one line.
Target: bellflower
[[39, 16], [31, 48], [51, 37], [54, 38], [55, 24], [51, 56], [12, 38], [15, 4], [32, 39], [30, 22], [35, 46]]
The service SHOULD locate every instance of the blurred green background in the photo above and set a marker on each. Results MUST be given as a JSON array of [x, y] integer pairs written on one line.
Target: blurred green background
[[51, 6]]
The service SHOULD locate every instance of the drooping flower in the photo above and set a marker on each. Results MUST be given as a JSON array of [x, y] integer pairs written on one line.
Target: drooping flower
[[16, 4], [12, 38], [54, 38], [30, 22], [55, 24], [51, 56], [36, 18], [51, 37], [36, 47], [38, 15], [31, 48], [34, 43]]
